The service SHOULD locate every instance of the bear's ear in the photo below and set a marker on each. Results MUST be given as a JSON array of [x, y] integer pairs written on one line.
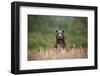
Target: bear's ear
[[63, 31], [56, 30]]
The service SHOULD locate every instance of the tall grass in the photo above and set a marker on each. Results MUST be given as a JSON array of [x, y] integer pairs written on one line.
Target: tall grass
[[52, 54], [41, 41]]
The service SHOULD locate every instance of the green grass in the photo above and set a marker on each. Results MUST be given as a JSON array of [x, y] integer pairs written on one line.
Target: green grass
[[41, 31], [39, 41]]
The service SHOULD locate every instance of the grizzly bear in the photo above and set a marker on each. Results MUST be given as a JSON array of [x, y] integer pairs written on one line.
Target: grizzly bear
[[60, 39]]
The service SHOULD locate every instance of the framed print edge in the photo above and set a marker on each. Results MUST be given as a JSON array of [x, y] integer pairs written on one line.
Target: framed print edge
[[15, 38], [96, 37]]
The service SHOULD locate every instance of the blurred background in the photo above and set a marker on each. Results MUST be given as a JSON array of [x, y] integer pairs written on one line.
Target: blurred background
[[42, 31]]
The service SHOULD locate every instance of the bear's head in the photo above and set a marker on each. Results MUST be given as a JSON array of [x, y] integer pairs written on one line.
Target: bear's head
[[60, 34]]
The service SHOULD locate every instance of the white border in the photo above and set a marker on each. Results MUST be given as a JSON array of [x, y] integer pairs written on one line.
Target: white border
[[26, 65]]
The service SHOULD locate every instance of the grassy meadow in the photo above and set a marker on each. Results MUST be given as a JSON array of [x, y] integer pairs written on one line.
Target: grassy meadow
[[42, 35]]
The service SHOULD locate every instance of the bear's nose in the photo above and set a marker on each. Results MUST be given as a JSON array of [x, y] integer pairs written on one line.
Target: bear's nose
[[60, 37]]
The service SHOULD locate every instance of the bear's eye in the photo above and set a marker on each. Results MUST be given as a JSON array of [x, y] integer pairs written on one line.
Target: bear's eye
[[62, 34]]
